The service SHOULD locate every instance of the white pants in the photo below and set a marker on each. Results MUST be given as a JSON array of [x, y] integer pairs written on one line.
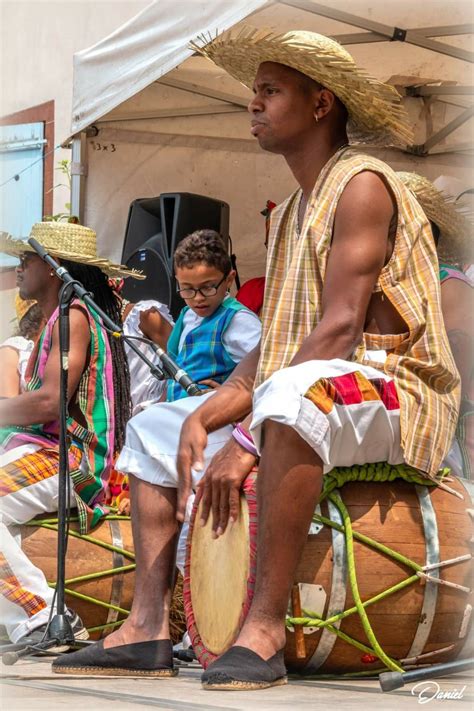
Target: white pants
[[151, 449], [18, 508], [152, 441]]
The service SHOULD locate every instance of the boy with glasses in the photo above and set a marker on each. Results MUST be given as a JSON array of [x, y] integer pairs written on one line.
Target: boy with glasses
[[214, 331]]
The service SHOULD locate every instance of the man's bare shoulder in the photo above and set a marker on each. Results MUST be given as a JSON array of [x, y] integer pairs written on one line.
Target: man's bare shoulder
[[366, 197], [368, 188]]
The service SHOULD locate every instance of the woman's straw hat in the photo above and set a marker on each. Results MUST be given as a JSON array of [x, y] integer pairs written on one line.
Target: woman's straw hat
[[22, 306], [375, 112], [455, 243], [65, 240]]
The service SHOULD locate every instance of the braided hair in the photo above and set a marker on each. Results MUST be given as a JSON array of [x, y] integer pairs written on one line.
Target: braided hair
[[94, 280]]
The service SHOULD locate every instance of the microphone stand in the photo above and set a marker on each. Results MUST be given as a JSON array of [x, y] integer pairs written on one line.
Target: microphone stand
[[59, 631]]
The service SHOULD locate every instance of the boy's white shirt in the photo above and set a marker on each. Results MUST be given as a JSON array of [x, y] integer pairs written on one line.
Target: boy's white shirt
[[240, 336]]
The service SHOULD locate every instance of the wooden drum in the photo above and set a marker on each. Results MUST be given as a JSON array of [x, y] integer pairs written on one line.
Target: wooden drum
[[100, 572], [421, 610], [99, 568]]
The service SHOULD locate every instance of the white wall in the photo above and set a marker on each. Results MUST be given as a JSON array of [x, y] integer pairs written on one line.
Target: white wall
[[39, 38]]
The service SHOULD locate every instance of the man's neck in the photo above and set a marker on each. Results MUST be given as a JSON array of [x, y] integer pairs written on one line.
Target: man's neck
[[307, 162]]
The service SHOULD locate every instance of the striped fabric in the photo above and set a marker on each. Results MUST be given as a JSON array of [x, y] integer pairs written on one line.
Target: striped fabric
[[203, 354], [420, 361], [352, 389], [95, 398], [32, 468], [11, 589]]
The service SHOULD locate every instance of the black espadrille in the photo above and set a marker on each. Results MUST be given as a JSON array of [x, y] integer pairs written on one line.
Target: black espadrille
[[242, 669], [154, 659]]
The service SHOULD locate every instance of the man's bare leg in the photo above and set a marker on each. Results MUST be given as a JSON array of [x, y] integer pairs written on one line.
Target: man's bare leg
[[155, 532], [288, 488]]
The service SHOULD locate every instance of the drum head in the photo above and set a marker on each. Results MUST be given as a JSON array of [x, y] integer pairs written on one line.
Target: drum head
[[218, 570]]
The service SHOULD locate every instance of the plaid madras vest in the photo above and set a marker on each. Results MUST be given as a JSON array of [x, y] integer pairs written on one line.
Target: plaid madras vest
[[421, 364]]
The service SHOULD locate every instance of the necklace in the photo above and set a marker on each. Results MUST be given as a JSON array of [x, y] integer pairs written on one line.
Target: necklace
[[299, 217]]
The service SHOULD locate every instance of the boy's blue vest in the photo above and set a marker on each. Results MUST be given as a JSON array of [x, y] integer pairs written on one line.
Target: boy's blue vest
[[203, 354]]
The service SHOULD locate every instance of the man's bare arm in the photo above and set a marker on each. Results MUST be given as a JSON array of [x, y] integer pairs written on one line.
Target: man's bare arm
[[233, 400], [42, 405], [230, 403], [358, 253]]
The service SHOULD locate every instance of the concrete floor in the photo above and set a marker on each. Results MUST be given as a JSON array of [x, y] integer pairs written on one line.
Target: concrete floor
[[30, 686]]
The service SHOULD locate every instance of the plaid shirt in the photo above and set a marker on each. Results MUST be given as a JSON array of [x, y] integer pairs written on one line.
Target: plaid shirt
[[420, 362]]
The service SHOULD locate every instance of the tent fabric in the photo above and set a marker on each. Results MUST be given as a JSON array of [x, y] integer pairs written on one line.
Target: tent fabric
[[149, 46]]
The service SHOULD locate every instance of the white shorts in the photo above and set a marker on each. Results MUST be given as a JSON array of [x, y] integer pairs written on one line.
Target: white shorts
[[152, 440], [349, 413]]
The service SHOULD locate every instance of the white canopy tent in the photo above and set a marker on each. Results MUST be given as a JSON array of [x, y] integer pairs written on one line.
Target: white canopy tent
[[149, 117]]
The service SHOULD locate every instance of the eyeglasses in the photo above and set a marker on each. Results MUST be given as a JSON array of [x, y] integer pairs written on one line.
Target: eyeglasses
[[24, 259], [189, 293]]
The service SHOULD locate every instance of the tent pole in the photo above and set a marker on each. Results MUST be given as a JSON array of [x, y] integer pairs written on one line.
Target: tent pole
[[78, 175]]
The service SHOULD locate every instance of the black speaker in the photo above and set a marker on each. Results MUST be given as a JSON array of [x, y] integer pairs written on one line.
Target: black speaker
[[144, 221], [155, 227]]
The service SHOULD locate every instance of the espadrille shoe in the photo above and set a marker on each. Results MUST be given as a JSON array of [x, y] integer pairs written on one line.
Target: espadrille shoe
[[240, 669], [151, 659]]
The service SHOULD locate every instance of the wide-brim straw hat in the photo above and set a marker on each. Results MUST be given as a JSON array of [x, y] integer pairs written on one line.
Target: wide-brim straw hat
[[454, 222], [66, 240], [376, 115]]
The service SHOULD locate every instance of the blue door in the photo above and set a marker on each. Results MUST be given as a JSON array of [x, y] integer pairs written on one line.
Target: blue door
[[21, 180]]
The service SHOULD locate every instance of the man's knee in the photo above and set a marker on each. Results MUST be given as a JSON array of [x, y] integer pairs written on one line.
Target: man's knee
[[276, 434], [283, 441]]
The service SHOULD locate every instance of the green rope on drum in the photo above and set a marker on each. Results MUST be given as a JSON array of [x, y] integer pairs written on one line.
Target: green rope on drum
[[378, 651], [85, 537], [320, 622], [335, 479], [376, 472], [52, 525]]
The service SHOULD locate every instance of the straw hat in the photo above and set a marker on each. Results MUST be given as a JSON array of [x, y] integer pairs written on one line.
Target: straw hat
[[454, 223], [375, 112], [67, 241], [22, 306]]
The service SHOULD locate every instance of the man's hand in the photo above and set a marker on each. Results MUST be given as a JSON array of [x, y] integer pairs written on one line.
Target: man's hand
[[211, 384], [192, 443], [219, 489]]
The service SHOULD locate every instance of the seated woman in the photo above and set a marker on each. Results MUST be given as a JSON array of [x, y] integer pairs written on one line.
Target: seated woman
[[16, 350]]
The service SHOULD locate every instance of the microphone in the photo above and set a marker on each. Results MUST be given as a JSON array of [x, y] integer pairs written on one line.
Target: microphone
[[176, 373], [170, 369]]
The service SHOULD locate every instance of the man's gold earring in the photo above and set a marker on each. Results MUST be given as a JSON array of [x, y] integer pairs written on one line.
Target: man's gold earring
[[316, 118]]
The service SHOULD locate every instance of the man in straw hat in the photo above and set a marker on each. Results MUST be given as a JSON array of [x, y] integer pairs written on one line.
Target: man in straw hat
[[351, 275], [452, 228], [99, 405]]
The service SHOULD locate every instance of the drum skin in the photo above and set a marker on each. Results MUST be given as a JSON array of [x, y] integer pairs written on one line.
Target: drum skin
[[85, 557], [390, 513]]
